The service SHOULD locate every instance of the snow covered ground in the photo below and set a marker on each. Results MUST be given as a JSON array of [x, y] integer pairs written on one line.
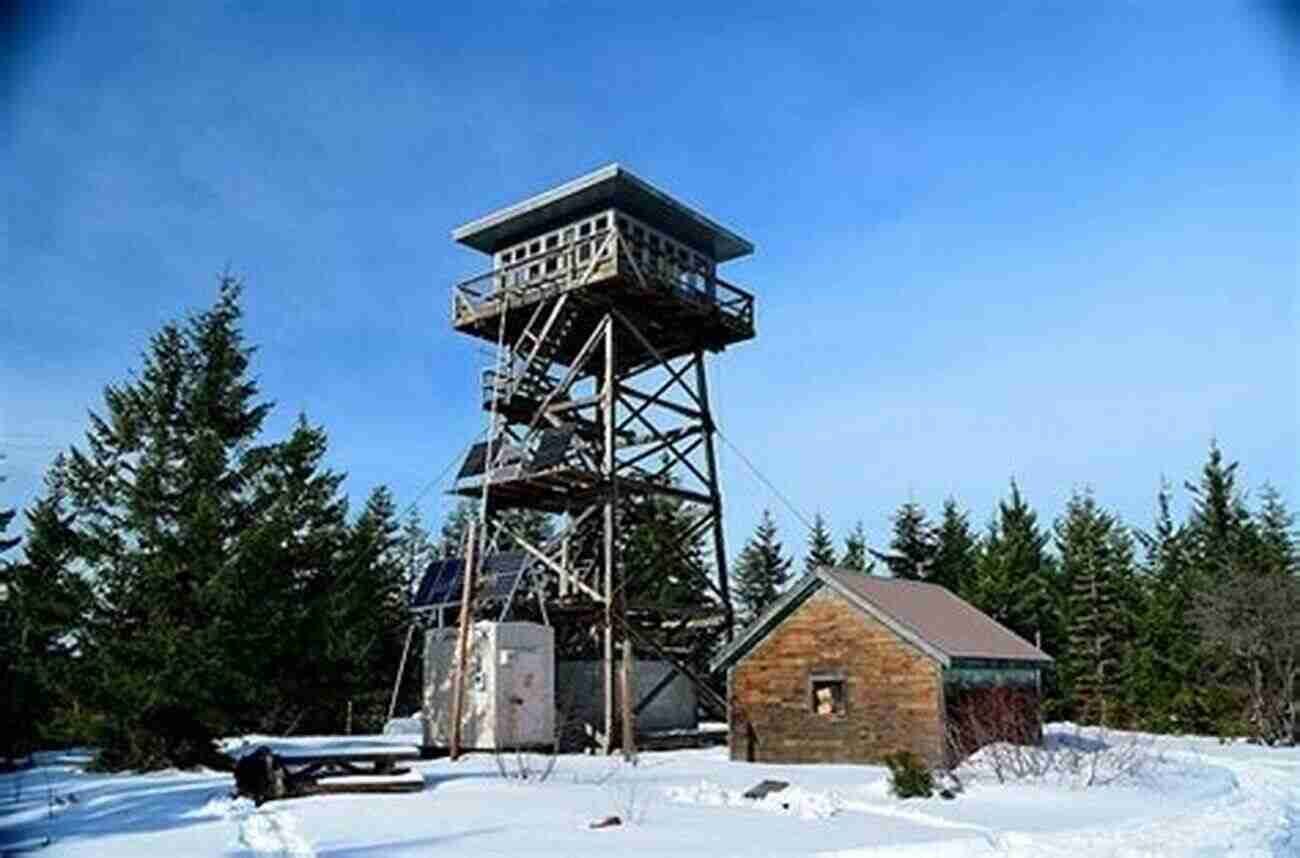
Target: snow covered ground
[[1199, 798]]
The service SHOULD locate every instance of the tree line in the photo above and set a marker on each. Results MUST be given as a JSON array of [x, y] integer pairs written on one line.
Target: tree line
[[183, 576], [1188, 625]]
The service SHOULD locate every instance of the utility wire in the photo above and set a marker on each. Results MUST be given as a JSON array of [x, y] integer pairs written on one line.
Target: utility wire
[[771, 487]]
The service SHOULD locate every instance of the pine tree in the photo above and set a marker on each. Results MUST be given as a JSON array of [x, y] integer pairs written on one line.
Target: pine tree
[[369, 613], [762, 571], [1015, 581], [1275, 549], [956, 550], [666, 569], [912, 547], [821, 547], [1219, 523], [282, 598], [451, 537], [1162, 683], [1098, 578], [417, 548], [41, 613], [855, 551]]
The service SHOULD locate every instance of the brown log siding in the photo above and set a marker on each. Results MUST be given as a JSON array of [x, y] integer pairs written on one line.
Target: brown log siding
[[894, 692]]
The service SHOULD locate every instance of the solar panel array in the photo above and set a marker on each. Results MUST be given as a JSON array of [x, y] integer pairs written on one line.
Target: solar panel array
[[552, 448], [475, 461], [444, 580]]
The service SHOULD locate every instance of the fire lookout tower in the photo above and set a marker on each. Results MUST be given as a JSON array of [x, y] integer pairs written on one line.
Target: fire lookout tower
[[602, 303]]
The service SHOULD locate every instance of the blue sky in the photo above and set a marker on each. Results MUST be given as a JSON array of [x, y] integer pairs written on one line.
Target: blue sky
[[1054, 242]]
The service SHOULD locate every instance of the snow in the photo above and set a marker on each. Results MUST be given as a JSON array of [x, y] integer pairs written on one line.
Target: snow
[[1197, 797]]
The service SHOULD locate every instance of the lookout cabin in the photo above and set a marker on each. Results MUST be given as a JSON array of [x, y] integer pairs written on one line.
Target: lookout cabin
[[847, 667], [619, 242]]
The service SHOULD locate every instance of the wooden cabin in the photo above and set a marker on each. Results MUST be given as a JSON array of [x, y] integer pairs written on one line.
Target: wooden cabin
[[847, 667]]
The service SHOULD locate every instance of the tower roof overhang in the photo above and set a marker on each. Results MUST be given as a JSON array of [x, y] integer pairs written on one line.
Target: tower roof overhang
[[612, 186]]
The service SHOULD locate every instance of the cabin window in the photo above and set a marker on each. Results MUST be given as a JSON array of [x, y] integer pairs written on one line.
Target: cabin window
[[552, 241], [600, 222], [535, 247], [552, 264], [829, 695], [534, 271], [584, 251], [568, 236], [585, 229]]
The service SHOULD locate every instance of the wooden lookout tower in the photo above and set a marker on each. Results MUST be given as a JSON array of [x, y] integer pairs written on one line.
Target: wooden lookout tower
[[602, 303]]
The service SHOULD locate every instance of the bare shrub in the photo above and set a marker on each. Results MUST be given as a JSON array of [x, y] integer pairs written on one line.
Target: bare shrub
[[1000, 738], [1253, 616]]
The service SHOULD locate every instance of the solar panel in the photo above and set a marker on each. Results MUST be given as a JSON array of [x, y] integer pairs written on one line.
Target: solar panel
[[474, 461], [444, 580], [552, 448]]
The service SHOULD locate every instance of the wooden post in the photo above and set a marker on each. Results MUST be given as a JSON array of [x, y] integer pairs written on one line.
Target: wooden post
[[611, 500], [401, 669], [462, 641], [719, 547], [627, 689]]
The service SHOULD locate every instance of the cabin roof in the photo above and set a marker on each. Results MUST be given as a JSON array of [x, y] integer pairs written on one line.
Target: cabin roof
[[939, 623], [612, 186]]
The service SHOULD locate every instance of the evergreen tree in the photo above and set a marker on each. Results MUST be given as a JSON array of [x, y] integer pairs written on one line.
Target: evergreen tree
[[666, 570], [762, 571], [956, 550], [417, 548], [282, 602], [1163, 682], [855, 551], [1219, 523], [451, 538], [1099, 602], [1015, 581], [42, 606], [369, 613], [912, 547], [1275, 547], [821, 547], [157, 496]]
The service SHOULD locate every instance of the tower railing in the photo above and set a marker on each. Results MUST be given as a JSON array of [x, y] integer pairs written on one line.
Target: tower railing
[[572, 265]]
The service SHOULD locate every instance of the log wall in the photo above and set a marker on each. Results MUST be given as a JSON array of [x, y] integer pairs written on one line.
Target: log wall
[[893, 693]]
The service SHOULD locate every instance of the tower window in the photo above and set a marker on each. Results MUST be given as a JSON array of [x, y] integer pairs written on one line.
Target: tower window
[[600, 222], [585, 229], [552, 241], [584, 251], [535, 247]]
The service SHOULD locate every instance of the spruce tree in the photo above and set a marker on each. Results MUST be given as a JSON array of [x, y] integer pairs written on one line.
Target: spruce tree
[[1015, 581], [762, 571], [855, 551], [956, 550], [912, 547], [42, 609], [1275, 549], [417, 547], [1219, 523], [821, 547], [1163, 682], [1097, 574], [369, 612]]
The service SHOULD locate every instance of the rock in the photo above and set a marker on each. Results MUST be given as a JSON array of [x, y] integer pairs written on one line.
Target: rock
[[607, 822]]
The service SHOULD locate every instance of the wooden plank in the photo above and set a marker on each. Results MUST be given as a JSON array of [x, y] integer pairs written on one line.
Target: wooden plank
[[462, 638]]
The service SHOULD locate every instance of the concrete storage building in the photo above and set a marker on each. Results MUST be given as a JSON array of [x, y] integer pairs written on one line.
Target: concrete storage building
[[848, 667]]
